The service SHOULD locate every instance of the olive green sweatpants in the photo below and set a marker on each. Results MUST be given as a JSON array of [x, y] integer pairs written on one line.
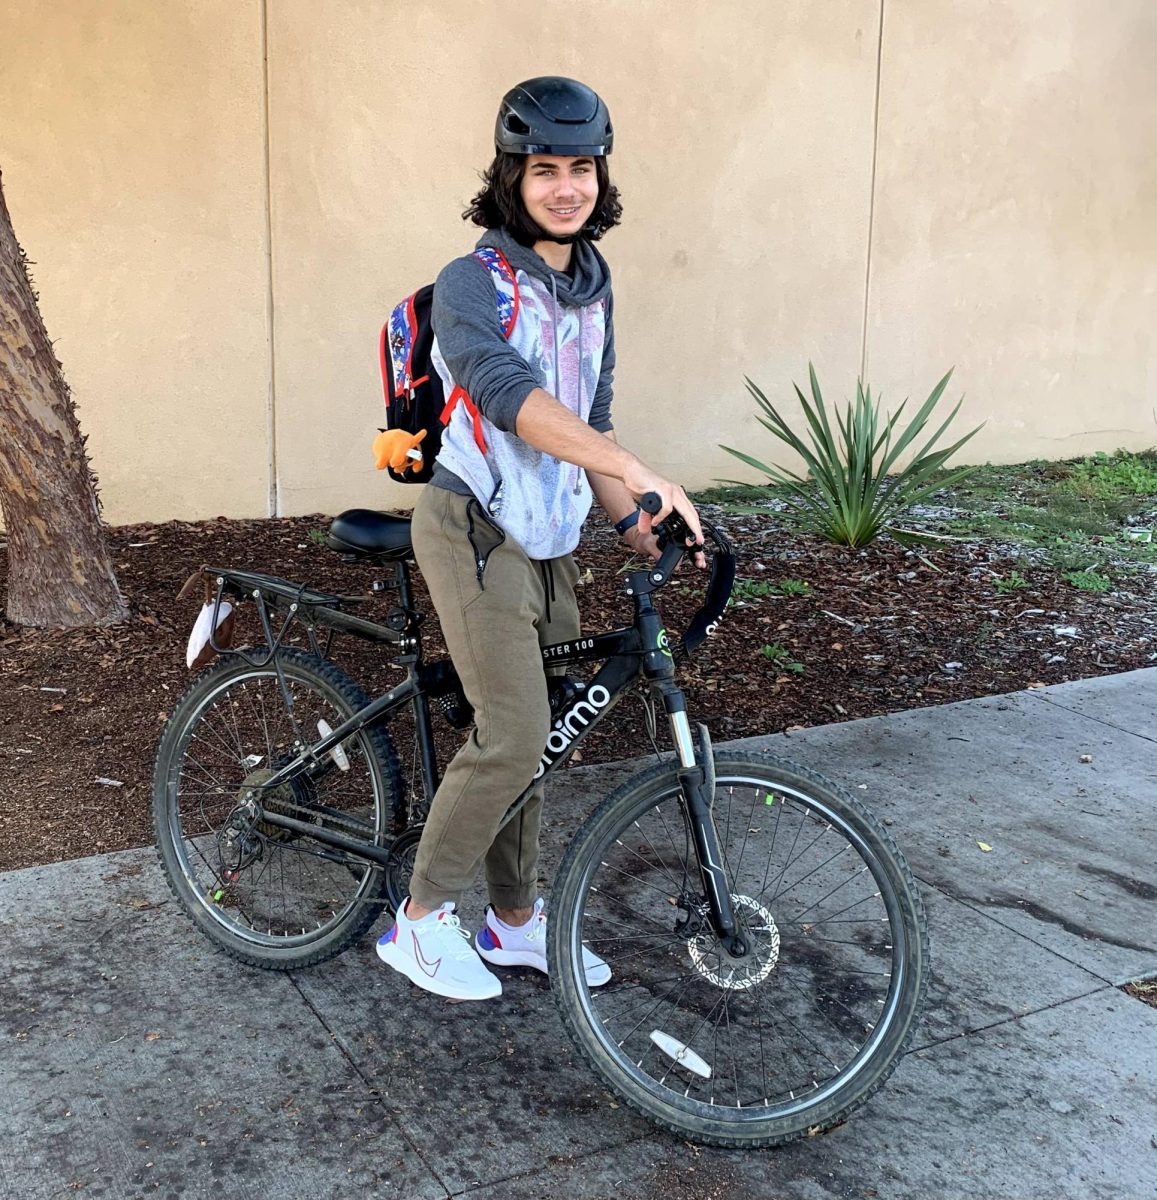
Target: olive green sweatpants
[[494, 617]]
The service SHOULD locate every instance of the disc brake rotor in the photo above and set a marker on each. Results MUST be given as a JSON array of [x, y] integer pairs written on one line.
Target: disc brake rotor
[[737, 974]]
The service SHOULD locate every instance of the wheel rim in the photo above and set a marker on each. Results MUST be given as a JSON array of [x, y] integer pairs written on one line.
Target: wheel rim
[[266, 887], [771, 1037]]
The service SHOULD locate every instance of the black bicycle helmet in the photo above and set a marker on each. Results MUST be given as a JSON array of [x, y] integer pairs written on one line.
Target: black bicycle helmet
[[553, 115]]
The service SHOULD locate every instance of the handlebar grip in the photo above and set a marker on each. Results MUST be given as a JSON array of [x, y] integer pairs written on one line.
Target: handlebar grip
[[672, 530]]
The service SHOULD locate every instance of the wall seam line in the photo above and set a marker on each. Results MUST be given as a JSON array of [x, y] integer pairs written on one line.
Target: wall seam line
[[273, 498], [872, 198]]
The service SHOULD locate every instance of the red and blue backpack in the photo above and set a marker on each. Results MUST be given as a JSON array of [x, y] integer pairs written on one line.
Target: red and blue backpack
[[415, 399]]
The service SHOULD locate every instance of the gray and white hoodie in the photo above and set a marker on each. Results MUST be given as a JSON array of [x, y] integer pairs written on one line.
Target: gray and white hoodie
[[563, 342]]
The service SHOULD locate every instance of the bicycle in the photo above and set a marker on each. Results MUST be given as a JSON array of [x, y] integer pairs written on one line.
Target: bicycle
[[768, 943]]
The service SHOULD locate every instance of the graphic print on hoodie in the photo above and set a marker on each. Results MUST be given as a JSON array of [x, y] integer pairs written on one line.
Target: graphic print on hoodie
[[563, 342]]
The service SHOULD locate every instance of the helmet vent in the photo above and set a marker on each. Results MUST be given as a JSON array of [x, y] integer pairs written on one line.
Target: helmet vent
[[553, 115]]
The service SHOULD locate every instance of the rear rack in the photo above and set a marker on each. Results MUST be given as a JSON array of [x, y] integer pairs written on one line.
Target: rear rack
[[298, 601], [243, 583]]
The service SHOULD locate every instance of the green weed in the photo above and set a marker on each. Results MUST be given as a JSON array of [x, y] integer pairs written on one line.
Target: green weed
[[1011, 582], [793, 587], [1103, 476], [1072, 555], [1139, 549], [757, 589], [750, 589], [1089, 581], [734, 494], [779, 655]]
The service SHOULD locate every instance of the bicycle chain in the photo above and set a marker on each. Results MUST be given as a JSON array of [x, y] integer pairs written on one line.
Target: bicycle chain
[[292, 808]]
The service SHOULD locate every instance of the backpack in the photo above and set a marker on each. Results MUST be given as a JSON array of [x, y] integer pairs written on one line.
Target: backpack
[[414, 396]]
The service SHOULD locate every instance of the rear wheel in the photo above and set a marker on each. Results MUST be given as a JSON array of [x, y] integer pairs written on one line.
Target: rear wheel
[[271, 897], [791, 1037]]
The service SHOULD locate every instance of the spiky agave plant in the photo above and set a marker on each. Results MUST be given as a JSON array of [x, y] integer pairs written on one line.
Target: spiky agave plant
[[853, 489]]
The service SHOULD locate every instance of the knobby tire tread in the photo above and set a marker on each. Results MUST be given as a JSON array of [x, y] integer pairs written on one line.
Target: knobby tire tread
[[369, 909], [716, 1132]]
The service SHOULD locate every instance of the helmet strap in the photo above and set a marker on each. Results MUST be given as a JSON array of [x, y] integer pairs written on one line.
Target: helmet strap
[[569, 239]]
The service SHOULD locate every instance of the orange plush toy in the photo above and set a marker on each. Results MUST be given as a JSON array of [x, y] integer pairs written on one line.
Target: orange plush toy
[[397, 449]]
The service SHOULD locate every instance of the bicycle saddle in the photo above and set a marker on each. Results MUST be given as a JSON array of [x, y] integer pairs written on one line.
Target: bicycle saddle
[[363, 531]]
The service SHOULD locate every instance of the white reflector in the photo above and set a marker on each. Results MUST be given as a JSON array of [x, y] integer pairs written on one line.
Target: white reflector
[[339, 756], [683, 1055]]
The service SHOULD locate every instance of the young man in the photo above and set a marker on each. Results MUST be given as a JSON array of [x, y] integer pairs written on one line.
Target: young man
[[494, 530]]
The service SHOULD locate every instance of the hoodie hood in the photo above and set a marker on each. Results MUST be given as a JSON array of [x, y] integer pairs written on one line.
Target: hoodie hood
[[591, 280]]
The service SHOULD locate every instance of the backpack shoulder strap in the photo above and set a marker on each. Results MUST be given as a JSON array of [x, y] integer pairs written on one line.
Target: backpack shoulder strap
[[396, 349], [507, 299], [505, 284]]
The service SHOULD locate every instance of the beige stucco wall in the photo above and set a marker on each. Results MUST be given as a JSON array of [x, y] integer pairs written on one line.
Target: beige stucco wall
[[133, 157], [723, 265], [219, 325], [1015, 226]]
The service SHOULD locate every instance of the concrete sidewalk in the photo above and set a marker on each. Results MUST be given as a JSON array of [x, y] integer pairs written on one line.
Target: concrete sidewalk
[[139, 1062]]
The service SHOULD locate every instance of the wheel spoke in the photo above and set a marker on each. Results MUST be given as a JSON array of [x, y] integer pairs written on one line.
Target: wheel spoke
[[772, 1031], [263, 885]]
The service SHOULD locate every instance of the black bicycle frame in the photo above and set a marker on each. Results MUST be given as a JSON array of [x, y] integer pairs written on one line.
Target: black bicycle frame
[[642, 648]]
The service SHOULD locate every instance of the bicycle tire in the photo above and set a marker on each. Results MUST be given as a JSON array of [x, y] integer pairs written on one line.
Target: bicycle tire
[[794, 961], [228, 728]]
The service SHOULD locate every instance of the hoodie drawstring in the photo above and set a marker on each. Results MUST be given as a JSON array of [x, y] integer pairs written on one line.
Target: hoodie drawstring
[[578, 486], [554, 329]]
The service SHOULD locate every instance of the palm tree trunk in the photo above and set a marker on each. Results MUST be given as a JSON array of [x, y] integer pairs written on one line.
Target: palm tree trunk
[[59, 570]]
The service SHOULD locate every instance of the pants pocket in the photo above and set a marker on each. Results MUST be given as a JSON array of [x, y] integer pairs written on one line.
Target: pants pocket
[[485, 537]]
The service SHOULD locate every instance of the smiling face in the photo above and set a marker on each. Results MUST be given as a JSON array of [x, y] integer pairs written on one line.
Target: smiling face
[[560, 194]]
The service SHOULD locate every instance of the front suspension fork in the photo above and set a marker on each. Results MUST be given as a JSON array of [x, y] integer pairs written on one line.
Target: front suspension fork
[[697, 782]]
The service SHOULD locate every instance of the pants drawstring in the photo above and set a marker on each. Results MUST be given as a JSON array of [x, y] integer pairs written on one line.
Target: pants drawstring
[[546, 567]]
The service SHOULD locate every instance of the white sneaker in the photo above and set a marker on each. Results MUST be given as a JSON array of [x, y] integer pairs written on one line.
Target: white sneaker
[[525, 946], [434, 952]]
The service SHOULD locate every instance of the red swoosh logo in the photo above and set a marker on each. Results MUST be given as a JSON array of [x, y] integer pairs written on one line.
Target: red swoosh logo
[[430, 968]]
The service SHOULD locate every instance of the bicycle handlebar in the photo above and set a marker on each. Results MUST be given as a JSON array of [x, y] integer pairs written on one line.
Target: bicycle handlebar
[[672, 529], [673, 534]]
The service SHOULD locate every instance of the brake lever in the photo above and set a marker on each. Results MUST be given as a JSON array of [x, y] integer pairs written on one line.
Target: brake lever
[[672, 529]]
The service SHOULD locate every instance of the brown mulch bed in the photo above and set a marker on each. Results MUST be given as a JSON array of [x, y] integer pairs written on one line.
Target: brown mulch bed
[[881, 630], [1144, 990]]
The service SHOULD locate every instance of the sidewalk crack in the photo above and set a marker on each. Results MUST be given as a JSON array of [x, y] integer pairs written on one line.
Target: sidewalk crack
[[570, 1158], [372, 1092], [1098, 720], [974, 906], [968, 1033]]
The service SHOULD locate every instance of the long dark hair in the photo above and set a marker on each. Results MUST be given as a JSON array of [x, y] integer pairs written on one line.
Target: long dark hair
[[499, 204]]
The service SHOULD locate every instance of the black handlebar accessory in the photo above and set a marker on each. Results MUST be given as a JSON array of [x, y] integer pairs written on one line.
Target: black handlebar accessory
[[705, 621], [673, 535]]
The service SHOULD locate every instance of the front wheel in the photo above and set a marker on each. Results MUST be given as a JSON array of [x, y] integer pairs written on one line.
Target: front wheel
[[745, 1051]]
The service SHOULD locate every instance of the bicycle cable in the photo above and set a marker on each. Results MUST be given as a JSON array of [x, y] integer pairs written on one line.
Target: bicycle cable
[[650, 721]]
